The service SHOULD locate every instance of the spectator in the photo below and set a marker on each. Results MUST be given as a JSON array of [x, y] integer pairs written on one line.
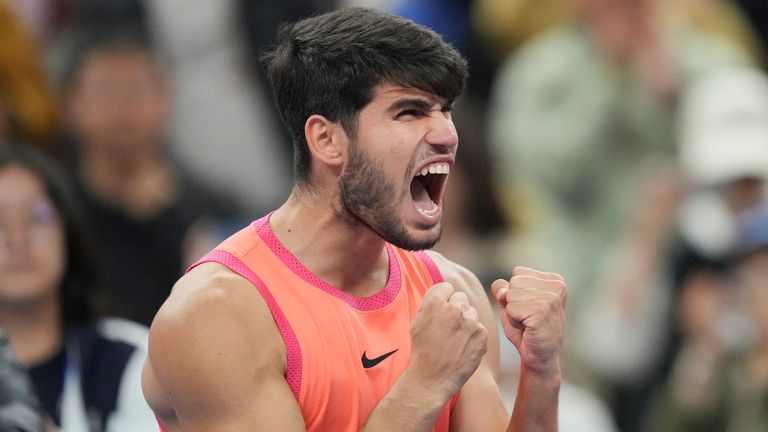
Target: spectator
[[720, 378], [85, 370], [151, 217], [639, 327], [583, 128], [750, 410]]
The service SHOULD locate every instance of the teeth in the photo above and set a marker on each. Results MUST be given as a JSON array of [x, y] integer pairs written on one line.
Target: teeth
[[437, 168], [431, 212]]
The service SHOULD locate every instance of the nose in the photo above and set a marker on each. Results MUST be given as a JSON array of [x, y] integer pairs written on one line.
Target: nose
[[442, 131], [14, 239]]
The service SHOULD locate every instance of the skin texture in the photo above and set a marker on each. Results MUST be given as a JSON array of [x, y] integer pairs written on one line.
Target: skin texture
[[217, 360]]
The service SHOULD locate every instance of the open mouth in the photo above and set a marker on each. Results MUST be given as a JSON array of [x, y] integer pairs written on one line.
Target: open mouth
[[427, 188]]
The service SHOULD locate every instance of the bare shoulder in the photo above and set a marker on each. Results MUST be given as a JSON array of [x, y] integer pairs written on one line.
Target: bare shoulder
[[212, 310], [460, 277], [209, 344]]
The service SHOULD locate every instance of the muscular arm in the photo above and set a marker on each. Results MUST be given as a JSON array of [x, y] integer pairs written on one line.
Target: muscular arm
[[217, 362], [480, 406], [216, 359]]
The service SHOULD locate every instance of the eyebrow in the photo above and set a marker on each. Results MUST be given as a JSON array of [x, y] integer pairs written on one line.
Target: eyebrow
[[418, 103]]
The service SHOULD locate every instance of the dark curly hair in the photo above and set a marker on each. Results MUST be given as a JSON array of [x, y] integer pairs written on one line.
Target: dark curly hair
[[329, 65]]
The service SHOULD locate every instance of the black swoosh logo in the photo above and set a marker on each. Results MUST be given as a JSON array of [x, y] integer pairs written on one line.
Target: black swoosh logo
[[369, 363]]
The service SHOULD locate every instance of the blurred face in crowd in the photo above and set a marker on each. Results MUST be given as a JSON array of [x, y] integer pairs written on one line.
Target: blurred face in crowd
[[119, 103], [617, 25], [701, 306], [744, 193], [32, 239]]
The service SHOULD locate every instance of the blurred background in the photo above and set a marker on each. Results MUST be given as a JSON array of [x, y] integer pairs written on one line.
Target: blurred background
[[621, 143]]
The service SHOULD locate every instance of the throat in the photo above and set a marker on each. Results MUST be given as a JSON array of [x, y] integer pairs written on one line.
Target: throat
[[421, 197], [422, 200], [331, 253]]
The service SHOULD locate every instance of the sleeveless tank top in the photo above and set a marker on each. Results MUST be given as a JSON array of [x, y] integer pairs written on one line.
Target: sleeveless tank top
[[344, 352]]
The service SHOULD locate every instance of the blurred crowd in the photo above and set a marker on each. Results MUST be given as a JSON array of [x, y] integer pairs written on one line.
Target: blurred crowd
[[621, 143]]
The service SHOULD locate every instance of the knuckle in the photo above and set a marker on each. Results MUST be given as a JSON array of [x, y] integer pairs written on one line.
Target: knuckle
[[460, 297], [560, 286], [554, 276], [517, 282], [555, 303], [455, 305], [453, 312]]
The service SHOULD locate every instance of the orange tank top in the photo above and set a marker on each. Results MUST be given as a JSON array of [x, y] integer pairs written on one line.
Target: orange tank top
[[344, 352]]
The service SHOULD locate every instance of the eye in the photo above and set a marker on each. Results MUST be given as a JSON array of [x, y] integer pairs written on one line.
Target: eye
[[43, 212], [408, 113]]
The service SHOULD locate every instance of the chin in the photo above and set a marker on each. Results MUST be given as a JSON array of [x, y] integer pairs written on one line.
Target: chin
[[422, 239]]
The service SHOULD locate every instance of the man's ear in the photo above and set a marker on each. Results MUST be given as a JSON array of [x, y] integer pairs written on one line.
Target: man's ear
[[326, 140]]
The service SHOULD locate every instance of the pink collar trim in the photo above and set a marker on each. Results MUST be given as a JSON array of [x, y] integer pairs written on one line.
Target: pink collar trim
[[376, 301]]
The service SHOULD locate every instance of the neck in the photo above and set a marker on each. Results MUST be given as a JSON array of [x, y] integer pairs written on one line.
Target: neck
[[348, 255], [35, 331], [119, 165], [142, 184]]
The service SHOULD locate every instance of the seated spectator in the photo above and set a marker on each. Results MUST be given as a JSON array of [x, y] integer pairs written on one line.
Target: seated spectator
[[151, 218], [85, 370], [750, 410], [583, 129], [720, 378]]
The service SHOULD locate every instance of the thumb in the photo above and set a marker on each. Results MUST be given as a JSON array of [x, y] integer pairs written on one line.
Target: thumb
[[499, 288], [441, 291]]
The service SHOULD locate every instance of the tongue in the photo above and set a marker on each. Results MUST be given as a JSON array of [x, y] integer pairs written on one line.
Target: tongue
[[421, 197]]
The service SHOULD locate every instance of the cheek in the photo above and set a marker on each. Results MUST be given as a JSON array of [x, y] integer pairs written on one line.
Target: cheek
[[58, 254], [54, 256]]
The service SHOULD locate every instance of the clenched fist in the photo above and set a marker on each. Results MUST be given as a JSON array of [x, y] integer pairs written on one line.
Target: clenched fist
[[533, 316], [448, 340]]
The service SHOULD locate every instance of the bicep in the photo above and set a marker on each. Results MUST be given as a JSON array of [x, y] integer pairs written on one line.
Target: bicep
[[272, 408], [218, 364]]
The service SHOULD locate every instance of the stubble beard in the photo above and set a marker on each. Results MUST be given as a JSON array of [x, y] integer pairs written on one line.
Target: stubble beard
[[370, 199]]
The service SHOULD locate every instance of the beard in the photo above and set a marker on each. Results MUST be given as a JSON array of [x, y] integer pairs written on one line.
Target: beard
[[369, 198]]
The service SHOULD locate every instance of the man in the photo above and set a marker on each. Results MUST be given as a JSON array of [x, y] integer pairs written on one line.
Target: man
[[147, 211], [316, 317]]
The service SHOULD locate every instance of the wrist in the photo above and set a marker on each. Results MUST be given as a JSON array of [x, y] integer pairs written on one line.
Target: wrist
[[410, 405], [537, 400], [424, 392], [543, 373]]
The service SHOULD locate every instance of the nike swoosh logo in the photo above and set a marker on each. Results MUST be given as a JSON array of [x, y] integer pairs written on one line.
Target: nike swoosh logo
[[369, 363]]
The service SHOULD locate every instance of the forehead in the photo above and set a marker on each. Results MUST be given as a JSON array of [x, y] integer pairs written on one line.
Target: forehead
[[19, 185], [117, 62], [386, 94]]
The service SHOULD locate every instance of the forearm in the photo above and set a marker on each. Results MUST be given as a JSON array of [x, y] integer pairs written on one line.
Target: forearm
[[536, 403], [407, 407]]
